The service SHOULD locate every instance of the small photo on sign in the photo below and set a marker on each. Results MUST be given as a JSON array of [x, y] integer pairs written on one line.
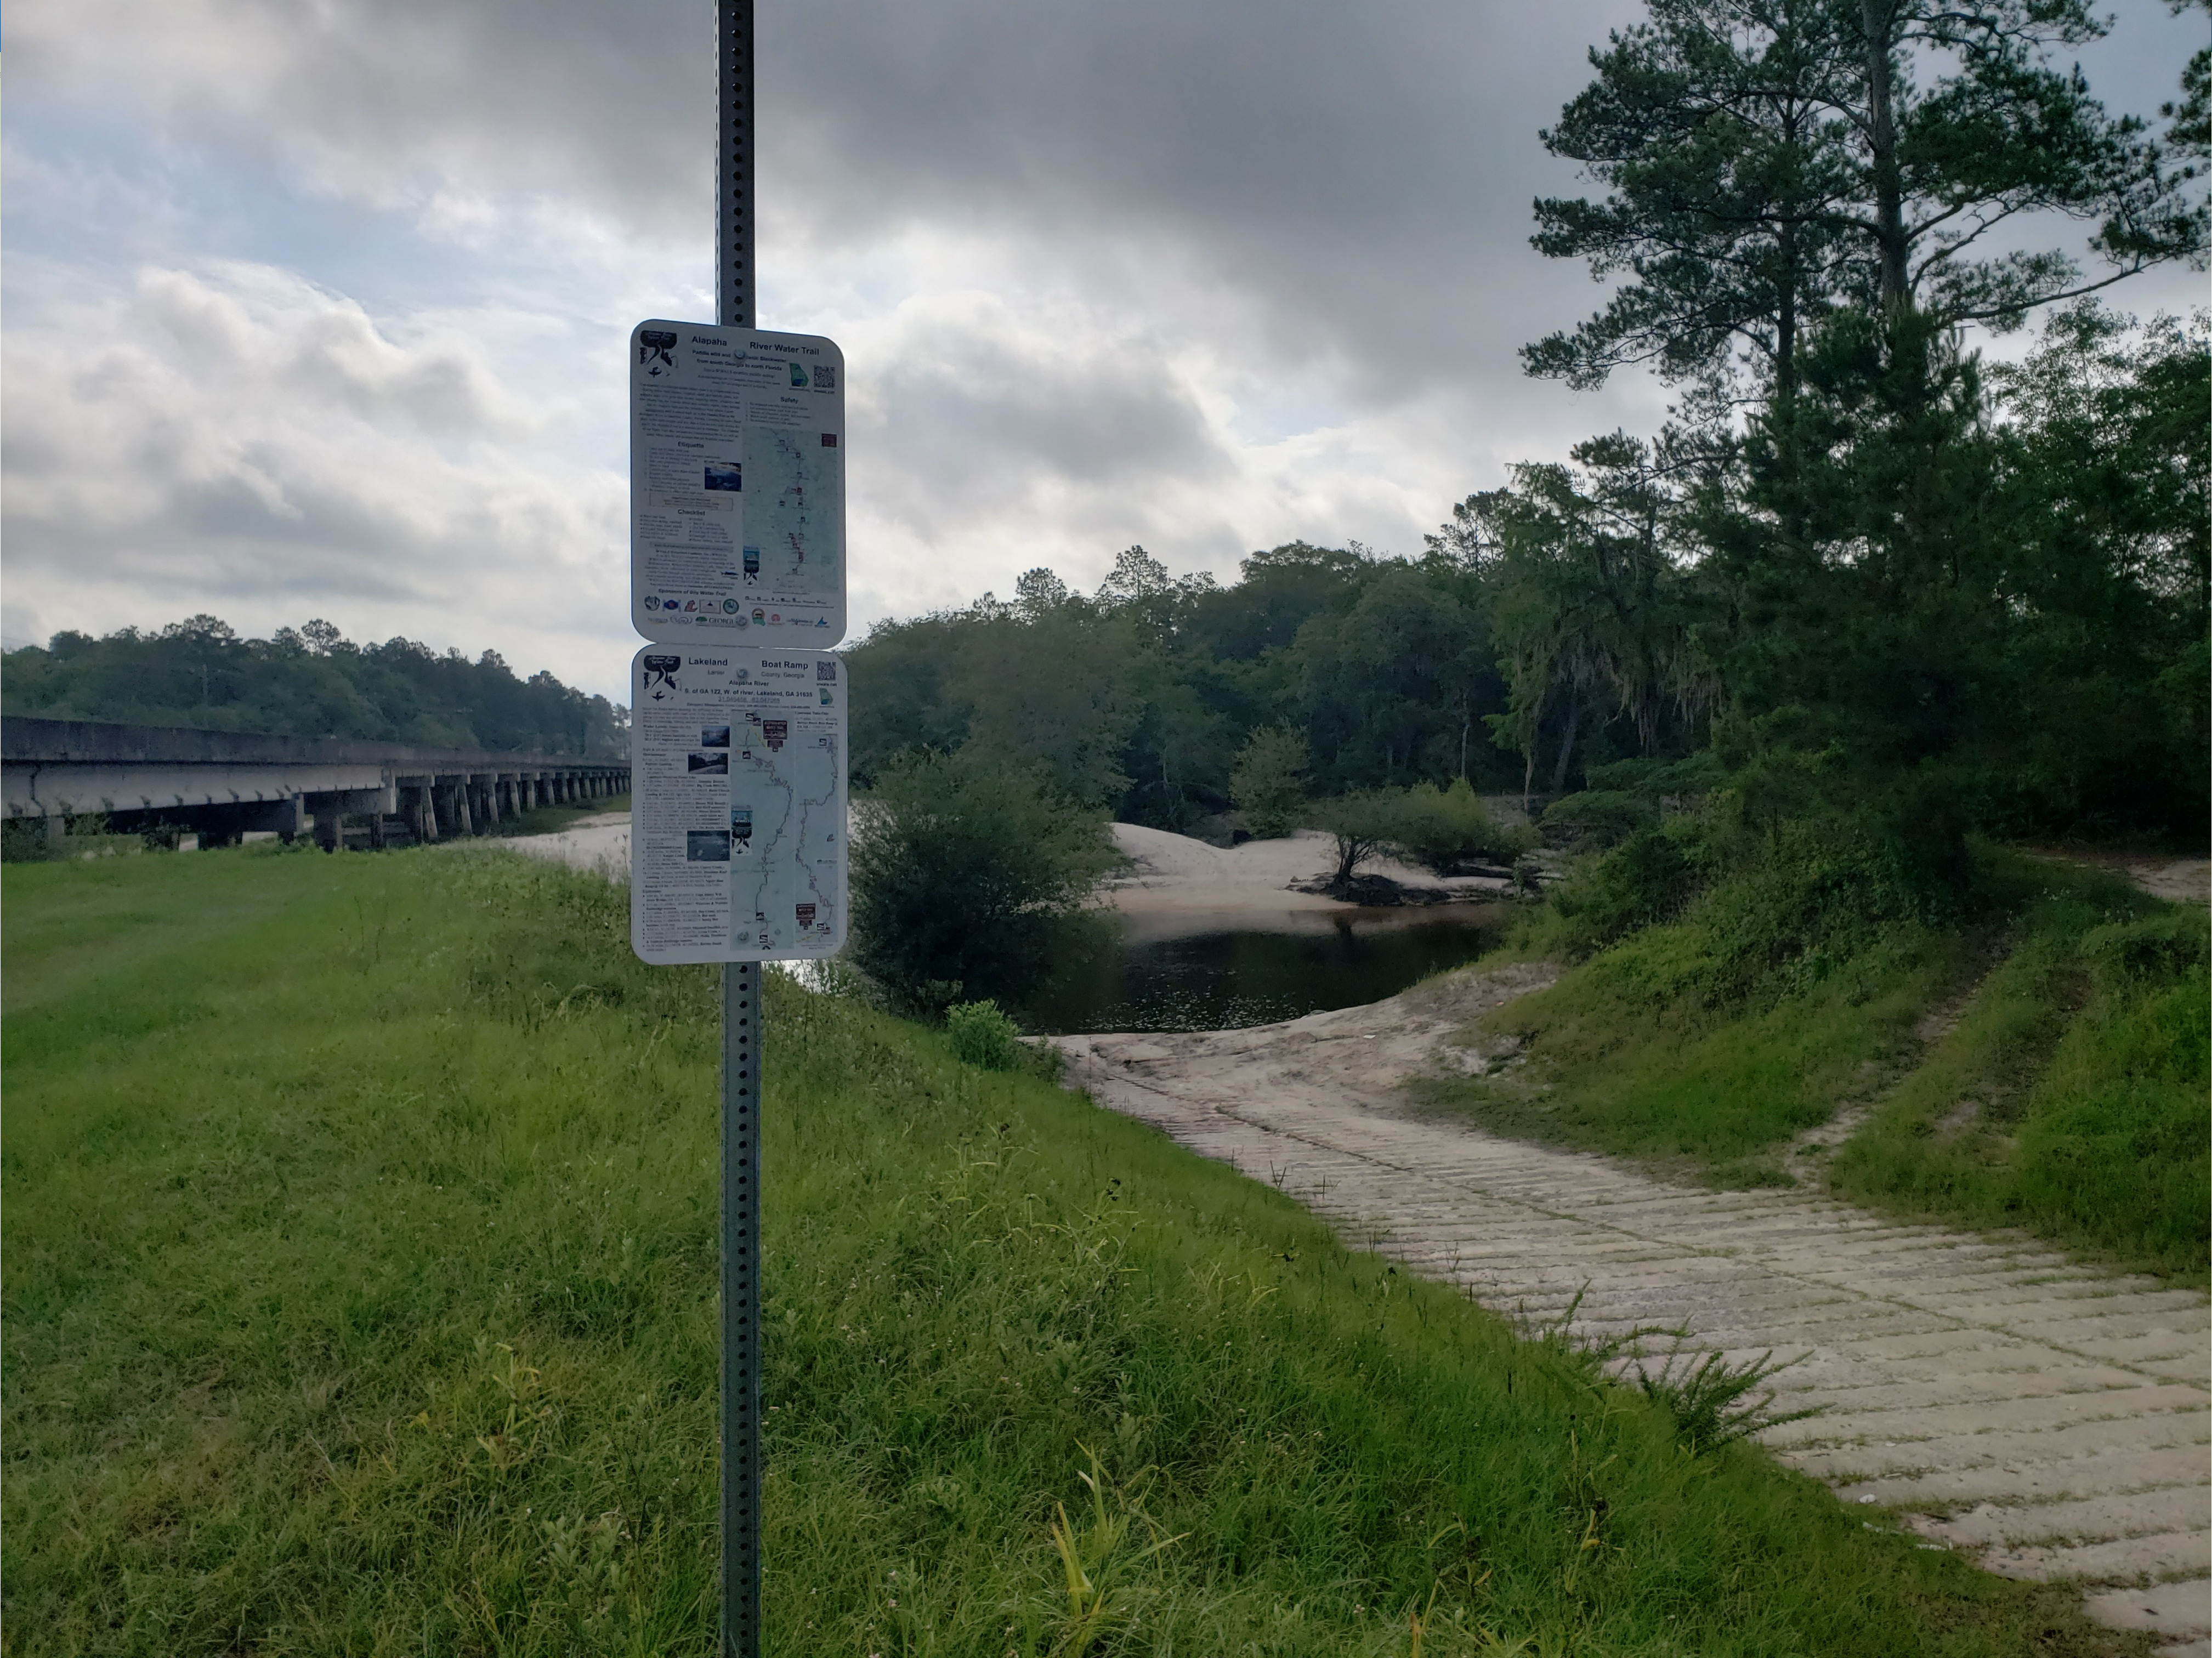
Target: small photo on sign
[[713, 737], [716, 764], [725, 474], [706, 846]]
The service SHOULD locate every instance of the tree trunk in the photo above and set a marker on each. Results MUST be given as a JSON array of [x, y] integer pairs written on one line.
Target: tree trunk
[[1785, 326], [1879, 19], [1567, 740]]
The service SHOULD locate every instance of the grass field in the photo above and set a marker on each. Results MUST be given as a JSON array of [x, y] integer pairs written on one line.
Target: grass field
[[360, 1280], [2060, 1085]]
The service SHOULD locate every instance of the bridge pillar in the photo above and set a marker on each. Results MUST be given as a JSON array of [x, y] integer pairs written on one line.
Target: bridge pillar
[[464, 820], [488, 791], [287, 817], [330, 826]]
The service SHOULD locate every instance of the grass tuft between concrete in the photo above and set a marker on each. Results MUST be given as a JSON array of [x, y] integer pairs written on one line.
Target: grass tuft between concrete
[[360, 1297]]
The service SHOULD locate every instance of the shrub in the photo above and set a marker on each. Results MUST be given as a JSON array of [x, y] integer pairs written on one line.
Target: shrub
[[1365, 827], [2163, 949], [1645, 879], [1268, 780], [1443, 829], [968, 874], [23, 841], [983, 1036], [1600, 818]]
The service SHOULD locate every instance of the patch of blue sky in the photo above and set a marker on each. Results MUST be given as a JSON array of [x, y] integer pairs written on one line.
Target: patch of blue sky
[[1263, 421], [104, 194]]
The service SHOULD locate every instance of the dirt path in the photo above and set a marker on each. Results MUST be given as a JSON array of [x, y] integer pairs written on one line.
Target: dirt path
[[2050, 1416], [2177, 880]]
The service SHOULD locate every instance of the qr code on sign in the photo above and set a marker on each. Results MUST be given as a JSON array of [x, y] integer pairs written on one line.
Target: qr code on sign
[[825, 379]]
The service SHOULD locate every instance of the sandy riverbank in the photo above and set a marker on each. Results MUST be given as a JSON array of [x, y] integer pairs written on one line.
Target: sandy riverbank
[[1173, 872], [1167, 875], [599, 845]]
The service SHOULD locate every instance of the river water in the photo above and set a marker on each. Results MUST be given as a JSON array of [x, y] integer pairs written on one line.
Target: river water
[[1195, 972]]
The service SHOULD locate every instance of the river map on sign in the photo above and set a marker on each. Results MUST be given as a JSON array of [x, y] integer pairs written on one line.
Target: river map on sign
[[737, 806], [786, 818], [795, 517]]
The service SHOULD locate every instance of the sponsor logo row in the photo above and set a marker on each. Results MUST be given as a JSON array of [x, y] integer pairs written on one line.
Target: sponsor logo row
[[704, 609]]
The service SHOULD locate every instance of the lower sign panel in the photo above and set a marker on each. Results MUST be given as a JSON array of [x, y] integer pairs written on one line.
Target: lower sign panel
[[736, 804]]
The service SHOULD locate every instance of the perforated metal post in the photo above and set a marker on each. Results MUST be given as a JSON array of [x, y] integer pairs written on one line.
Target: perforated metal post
[[741, 1002], [741, 1459], [733, 168]]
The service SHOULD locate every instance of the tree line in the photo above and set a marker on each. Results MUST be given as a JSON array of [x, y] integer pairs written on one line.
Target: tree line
[[1860, 559], [1992, 577], [310, 681]]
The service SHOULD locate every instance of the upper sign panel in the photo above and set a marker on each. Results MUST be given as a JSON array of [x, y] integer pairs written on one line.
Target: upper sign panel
[[737, 486]]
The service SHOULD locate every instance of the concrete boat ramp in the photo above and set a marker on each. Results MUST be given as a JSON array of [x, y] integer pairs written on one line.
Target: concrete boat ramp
[[2050, 1417]]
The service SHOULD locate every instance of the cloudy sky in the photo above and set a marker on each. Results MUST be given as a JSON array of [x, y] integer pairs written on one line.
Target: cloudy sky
[[318, 307]]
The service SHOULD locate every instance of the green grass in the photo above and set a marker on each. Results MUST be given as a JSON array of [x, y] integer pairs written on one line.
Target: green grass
[[2067, 1098], [360, 1279], [1609, 1066]]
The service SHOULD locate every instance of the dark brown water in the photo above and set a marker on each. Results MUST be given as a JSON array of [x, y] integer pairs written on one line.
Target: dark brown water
[[1298, 963]]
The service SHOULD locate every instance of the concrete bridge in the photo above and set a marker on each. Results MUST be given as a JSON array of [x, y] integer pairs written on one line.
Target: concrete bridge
[[224, 785]]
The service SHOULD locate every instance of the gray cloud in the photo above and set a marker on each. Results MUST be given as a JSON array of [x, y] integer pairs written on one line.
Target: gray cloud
[[1205, 276], [1342, 171], [238, 439]]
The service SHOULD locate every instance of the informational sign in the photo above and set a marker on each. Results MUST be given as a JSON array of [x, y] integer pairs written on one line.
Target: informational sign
[[737, 804], [737, 486]]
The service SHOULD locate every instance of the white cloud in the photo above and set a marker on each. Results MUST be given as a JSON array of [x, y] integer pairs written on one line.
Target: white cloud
[[235, 439]]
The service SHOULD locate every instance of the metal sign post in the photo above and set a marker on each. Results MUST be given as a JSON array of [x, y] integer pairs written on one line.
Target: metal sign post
[[742, 1011], [738, 732], [741, 1453]]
